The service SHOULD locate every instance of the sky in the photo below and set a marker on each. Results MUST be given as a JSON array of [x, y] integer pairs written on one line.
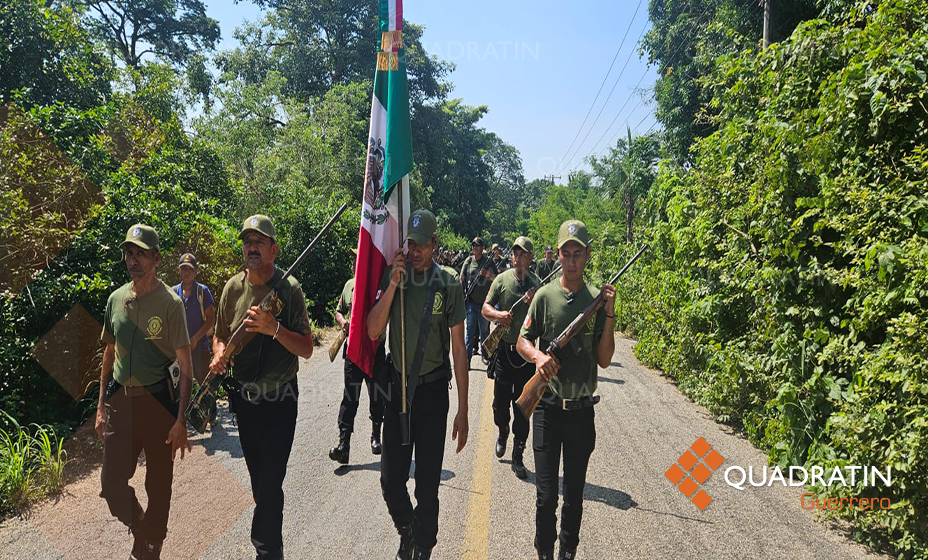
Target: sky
[[537, 65]]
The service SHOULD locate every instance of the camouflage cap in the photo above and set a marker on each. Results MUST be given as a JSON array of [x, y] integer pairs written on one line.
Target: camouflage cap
[[478, 241], [421, 227], [524, 243], [573, 230], [142, 236], [187, 259], [494, 247], [261, 224]]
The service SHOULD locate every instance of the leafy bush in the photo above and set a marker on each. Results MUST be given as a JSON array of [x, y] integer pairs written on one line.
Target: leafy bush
[[788, 289]]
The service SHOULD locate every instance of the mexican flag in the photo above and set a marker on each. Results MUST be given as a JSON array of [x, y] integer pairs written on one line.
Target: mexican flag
[[389, 161]]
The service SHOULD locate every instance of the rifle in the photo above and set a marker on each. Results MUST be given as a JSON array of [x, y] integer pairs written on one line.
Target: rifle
[[535, 388], [337, 344], [492, 341], [473, 284], [198, 411]]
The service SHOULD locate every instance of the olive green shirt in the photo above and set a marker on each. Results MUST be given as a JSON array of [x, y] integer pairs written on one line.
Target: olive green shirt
[[550, 312], [277, 365], [505, 291], [470, 272], [146, 331], [544, 269], [344, 301], [447, 311]]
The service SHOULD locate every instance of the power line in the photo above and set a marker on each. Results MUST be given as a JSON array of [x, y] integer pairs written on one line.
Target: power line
[[593, 104], [680, 44], [614, 84]]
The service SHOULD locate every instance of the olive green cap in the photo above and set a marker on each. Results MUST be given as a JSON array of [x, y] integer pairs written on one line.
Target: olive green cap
[[525, 243], [261, 224], [573, 230], [143, 236], [421, 227]]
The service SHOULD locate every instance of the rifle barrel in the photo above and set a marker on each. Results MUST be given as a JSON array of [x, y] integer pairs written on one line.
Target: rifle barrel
[[628, 264]]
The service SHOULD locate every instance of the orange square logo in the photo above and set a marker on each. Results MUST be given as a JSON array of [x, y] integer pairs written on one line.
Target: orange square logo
[[687, 461], [700, 460], [688, 487]]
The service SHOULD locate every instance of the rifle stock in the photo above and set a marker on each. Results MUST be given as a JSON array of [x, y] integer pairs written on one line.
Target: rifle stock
[[337, 344], [534, 389]]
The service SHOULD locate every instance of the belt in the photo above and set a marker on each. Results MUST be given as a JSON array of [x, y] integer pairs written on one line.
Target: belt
[[570, 404], [443, 373], [140, 390]]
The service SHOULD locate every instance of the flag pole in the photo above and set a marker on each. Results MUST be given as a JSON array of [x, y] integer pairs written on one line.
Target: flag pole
[[405, 438]]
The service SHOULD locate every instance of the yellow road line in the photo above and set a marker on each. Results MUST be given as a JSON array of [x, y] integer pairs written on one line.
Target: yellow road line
[[477, 527]]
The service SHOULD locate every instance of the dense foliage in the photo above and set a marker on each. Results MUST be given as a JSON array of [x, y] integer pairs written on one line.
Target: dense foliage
[[788, 287]]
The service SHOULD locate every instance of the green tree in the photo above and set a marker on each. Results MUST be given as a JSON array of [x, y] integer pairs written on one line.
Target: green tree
[[170, 30], [684, 42], [45, 52], [626, 173]]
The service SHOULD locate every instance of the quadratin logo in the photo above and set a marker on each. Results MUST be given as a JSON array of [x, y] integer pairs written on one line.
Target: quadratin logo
[[693, 469]]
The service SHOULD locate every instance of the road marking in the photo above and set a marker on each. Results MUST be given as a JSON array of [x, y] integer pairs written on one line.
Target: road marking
[[477, 527]]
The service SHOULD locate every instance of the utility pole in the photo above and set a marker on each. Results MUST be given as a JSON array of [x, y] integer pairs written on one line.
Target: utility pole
[[768, 23], [550, 178]]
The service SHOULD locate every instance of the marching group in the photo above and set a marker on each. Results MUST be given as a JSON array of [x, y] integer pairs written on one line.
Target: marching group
[[157, 340]]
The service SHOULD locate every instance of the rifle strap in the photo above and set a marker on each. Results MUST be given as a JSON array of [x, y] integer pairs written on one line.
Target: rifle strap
[[412, 375]]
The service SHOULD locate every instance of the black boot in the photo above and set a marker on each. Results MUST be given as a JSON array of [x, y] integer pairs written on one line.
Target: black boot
[[139, 539], [407, 548], [546, 554], [375, 439], [518, 466], [566, 554], [423, 553], [154, 551], [339, 453], [501, 442]]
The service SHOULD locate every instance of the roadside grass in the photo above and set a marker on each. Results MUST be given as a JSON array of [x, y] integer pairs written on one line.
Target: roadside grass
[[32, 463]]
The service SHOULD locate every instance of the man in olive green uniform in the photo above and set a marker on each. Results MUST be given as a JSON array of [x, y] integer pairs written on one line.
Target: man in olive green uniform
[[498, 261], [144, 331], [547, 265], [429, 384], [263, 388], [477, 273], [354, 378], [564, 421], [516, 285]]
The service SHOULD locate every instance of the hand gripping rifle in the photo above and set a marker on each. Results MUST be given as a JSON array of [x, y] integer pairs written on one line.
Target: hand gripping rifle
[[492, 341], [202, 404], [473, 283], [535, 388]]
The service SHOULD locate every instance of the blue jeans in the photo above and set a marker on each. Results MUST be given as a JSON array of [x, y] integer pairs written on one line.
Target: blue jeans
[[475, 322]]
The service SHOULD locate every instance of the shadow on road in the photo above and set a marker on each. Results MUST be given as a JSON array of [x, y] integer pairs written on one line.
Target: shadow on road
[[592, 493], [674, 515], [615, 364], [611, 380], [220, 437], [342, 470]]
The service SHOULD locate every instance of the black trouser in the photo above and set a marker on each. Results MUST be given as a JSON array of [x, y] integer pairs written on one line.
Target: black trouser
[[575, 432], [266, 427], [354, 378], [512, 373], [134, 424], [428, 424]]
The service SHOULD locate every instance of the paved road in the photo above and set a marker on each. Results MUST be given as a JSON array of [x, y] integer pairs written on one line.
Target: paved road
[[643, 425]]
